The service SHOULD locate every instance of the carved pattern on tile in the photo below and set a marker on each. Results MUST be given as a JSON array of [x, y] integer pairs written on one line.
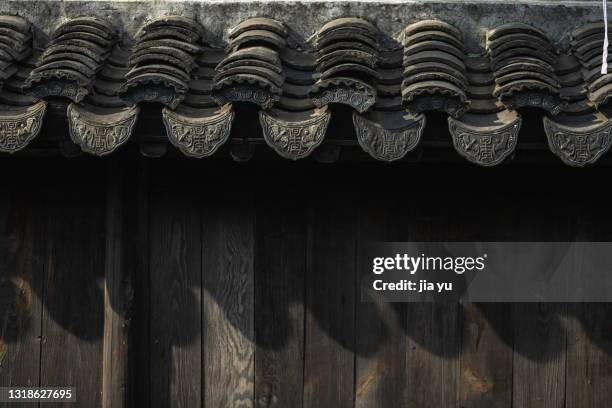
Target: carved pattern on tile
[[485, 146], [199, 136], [388, 144], [100, 135], [578, 148], [294, 139], [17, 129]]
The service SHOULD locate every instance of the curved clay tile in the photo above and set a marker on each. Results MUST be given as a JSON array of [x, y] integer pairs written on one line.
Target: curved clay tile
[[579, 141], [580, 134], [295, 96], [522, 59], [100, 131], [292, 83], [162, 61], [252, 71], [587, 43], [347, 58], [177, 27], [198, 127], [294, 135], [434, 68], [198, 132], [258, 24], [103, 122], [387, 132], [295, 127], [69, 64], [21, 115], [388, 136], [488, 133]]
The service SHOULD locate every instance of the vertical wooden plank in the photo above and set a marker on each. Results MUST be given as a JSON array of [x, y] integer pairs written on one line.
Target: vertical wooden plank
[[589, 330], [380, 336], [73, 297], [433, 329], [487, 343], [228, 228], [281, 253], [539, 355], [589, 356], [175, 264], [486, 358], [120, 261], [329, 371], [21, 280], [140, 359], [434, 332], [539, 362]]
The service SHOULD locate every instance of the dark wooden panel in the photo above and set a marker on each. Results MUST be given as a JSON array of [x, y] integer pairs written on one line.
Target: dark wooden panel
[[433, 365], [381, 341], [486, 357], [330, 301], [21, 273], [73, 297], [539, 360], [589, 356], [487, 342], [121, 261], [228, 251], [175, 308], [434, 329], [279, 293], [539, 363], [140, 336], [589, 331]]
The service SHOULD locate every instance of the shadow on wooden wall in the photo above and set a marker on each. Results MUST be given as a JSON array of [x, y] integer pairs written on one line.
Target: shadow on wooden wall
[[176, 283]]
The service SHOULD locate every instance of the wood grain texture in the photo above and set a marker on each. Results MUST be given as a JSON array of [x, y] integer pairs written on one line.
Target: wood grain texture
[[432, 355], [540, 330], [486, 358], [589, 327], [330, 300], [21, 273], [281, 255], [175, 308], [74, 307], [434, 329], [228, 251], [120, 263], [589, 355], [140, 360], [539, 355], [380, 336], [487, 342]]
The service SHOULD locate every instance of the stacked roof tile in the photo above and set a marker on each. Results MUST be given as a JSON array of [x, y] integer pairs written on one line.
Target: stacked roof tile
[[21, 115], [297, 85]]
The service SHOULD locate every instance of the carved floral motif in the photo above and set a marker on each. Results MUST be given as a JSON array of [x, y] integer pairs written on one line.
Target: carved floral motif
[[294, 139], [261, 97], [19, 128], [578, 147], [486, 146], [356, 94], [388, 144], [100, 134], [69, 90], [548, 102], [199, 136]]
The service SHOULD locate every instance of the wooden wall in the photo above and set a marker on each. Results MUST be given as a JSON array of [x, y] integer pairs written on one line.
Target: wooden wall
[[184, 283]]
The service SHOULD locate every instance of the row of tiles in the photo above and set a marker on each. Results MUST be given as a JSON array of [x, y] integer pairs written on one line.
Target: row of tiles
[[170, 63]]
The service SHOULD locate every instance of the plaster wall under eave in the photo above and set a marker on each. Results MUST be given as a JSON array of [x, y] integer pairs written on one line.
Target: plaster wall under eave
[[474, 18]]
